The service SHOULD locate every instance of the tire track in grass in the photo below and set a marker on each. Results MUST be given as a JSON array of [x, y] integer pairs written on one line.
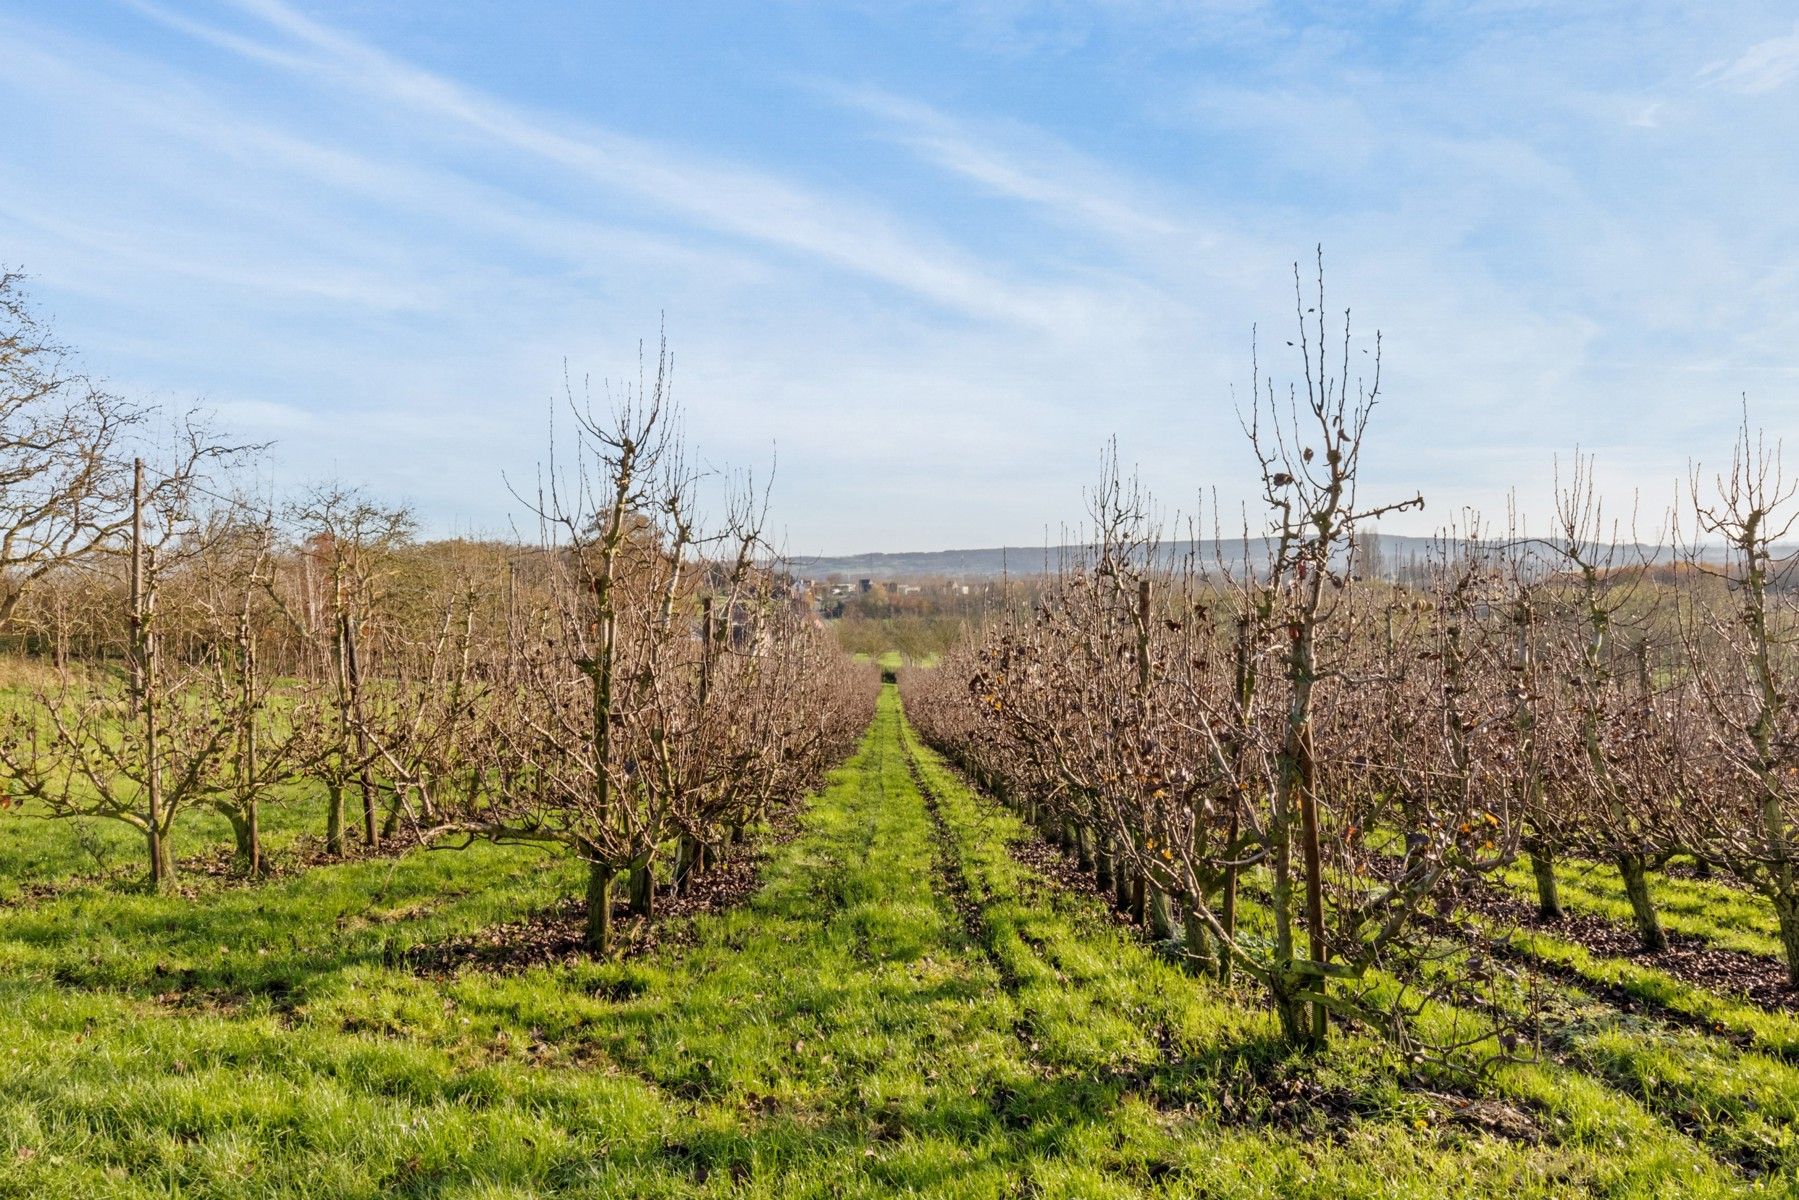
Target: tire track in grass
[[1100, 1080], [980, 935], [1033, 966], [868, 986], [959, 894]]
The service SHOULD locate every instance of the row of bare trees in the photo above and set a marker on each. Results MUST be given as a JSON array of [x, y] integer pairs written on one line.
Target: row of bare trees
[[667, 686], [1296, 770], [633, 688]]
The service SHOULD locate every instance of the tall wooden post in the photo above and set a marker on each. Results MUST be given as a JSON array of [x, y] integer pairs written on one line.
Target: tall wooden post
[[143, 684], [252, 834], [371, 835], [137, 587], [1149, 901], [1143, 638], [708, 635], [1244, 681]]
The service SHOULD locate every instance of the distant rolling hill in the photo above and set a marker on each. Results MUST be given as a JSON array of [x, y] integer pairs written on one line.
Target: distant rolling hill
[[1395, 552], [992, 562]]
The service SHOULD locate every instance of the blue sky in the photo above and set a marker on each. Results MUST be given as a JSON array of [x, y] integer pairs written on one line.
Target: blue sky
[[929, 255]]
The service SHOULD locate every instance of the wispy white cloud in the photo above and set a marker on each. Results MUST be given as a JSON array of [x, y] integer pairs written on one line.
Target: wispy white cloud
[[178, 255], [1020, 164], [224, 39], [727, 198], [1766, 66]]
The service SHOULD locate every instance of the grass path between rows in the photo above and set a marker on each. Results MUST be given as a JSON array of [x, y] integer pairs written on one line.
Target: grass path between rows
[[903, 1008]]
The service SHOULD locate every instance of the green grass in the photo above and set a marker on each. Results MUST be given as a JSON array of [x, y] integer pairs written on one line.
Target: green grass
[[848, 1032], [893, 660]]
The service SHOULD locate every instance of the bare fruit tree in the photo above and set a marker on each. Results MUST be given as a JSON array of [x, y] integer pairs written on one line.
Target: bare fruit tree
[[348, 548], [1309, 446], [1304, 765], [65, 462], [1742, 807], [147, 754], [654, 688]]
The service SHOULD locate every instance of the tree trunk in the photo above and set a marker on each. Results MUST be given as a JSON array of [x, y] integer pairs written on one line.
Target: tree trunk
[[1197, 936], [253, 820], [246, 832], [1635, 872], [371, 834], [1102, 863], [1161, 919], [1549, 896], [390, 824], [1121, 884], [334, 818], [686, 856], [1786, 911], [162, 861], [643, 891], [1227, 915], [599, 908], [1083, 847], [1299, 1027], [1309, 849]]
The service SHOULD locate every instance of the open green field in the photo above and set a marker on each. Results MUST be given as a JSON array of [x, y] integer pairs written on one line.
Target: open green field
[[903, 1007]]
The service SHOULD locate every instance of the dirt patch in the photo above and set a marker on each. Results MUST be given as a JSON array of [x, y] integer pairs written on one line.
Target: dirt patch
[[38, 892], [1489, 1116], [211, 1002]]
